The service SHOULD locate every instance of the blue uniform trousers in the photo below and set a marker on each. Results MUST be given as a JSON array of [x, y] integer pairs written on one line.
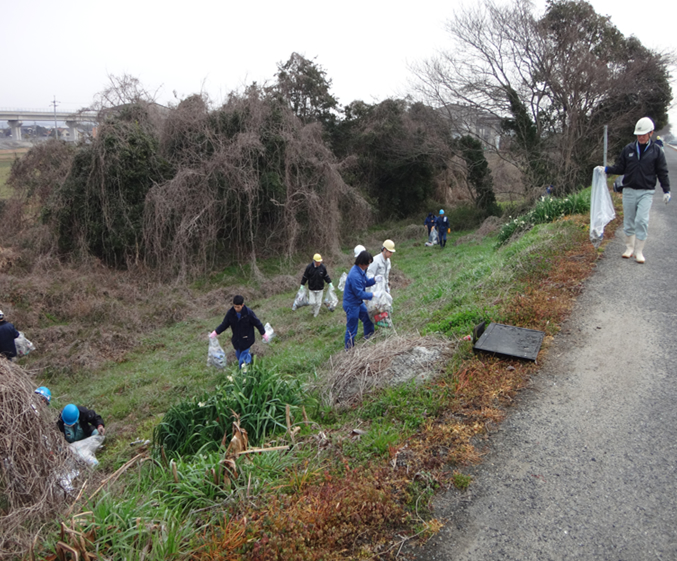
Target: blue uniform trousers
[[353, 315]]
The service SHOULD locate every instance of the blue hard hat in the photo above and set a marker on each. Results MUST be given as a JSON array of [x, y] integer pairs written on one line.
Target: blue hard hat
[[44, 392], [441, 211], [70, 414]]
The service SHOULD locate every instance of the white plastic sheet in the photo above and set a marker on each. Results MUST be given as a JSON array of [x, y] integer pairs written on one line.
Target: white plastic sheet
[[301, 298], [86, 448], [601, 207], [216, 356]]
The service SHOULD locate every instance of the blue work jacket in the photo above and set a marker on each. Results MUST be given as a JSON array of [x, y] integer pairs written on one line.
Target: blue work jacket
[[354, 292]]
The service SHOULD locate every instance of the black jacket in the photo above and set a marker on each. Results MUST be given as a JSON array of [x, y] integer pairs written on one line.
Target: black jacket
[[641, 173], [316, 276], [88, 420], [7, 335], [243, 328]]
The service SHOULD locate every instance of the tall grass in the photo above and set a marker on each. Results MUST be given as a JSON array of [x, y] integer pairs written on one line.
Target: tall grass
[[259, 396], [546, 210]]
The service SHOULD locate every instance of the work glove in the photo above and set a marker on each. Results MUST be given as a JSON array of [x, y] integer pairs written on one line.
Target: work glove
[[301, 287], [331, 284], [377, 294], [265, 337], [101, 430], [378, 278], [666, 198], [601, 168], [213, 334]]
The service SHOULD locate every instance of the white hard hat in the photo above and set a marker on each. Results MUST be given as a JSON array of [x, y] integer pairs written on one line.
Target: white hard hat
[[2, 316], [358, 249], [644, 126]]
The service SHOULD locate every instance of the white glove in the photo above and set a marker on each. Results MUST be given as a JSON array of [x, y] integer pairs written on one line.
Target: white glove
[[378, 278], [666, 198], [601, 168], [377, 294], [301, 287]]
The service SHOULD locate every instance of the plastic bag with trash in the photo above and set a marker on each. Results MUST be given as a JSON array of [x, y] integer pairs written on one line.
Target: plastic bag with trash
[[301, 298], [384, 303], [269, 331], [331, 300], [432, 239], [23, 345], [601, 207], [342, 281], [216, 356], [86, 448]]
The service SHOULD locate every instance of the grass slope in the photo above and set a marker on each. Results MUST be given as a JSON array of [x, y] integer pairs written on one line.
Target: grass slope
[[338, 493]]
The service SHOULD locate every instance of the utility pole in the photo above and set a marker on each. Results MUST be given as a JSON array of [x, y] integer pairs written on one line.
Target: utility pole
[[56, 130]]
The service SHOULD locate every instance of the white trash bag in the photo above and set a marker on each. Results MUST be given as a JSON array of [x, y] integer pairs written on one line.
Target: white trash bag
[[384, 303], [86, 447], [216, 356], [434, 240], [601, 207], [331, 300], [23, 345], [269, 331], [342, 281], [301, 298]]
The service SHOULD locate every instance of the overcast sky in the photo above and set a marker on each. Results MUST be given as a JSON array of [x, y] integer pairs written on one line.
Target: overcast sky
[[67, 49]]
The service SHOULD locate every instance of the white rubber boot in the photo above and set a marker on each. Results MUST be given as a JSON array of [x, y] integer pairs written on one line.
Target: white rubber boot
[[639, 246], [629, 246]]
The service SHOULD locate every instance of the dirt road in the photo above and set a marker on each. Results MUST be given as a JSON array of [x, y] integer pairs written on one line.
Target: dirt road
[[585, 466]]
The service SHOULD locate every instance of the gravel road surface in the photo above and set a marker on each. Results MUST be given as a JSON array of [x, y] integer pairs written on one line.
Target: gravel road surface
[[585, 465]]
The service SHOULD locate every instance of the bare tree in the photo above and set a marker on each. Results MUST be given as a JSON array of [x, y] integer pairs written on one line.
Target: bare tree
[[553, 82]]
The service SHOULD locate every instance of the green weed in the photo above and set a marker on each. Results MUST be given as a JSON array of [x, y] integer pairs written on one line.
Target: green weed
[[461, 481], [259, 397], [546, 210]]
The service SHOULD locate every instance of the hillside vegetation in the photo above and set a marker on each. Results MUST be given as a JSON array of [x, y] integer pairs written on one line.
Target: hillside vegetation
[[358, 471]]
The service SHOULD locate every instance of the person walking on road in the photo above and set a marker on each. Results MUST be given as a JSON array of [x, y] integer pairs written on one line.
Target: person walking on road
[[316, 275], [442, 224], [242, 321], [640, 163], [354, 296]]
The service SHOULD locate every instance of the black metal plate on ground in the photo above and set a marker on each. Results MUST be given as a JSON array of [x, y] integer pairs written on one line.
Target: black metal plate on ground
[[509, 340]]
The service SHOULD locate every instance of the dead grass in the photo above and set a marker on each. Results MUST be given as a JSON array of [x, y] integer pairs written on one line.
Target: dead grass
[[350, 375], [34, 462]]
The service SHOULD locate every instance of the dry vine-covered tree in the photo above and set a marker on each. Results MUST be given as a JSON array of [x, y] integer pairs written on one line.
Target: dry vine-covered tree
[[251, 179]]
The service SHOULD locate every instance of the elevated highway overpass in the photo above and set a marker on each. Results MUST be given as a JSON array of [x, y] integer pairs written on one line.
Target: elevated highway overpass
[[15, 118]]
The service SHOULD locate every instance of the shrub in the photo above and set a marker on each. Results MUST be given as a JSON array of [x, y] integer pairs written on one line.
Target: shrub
[[259, 396]]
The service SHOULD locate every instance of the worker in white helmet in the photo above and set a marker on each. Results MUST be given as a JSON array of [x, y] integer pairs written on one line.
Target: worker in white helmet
[[641, 162]]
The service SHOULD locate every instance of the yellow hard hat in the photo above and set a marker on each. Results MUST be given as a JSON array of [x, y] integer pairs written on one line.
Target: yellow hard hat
[[317, 257], [389, 245]]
